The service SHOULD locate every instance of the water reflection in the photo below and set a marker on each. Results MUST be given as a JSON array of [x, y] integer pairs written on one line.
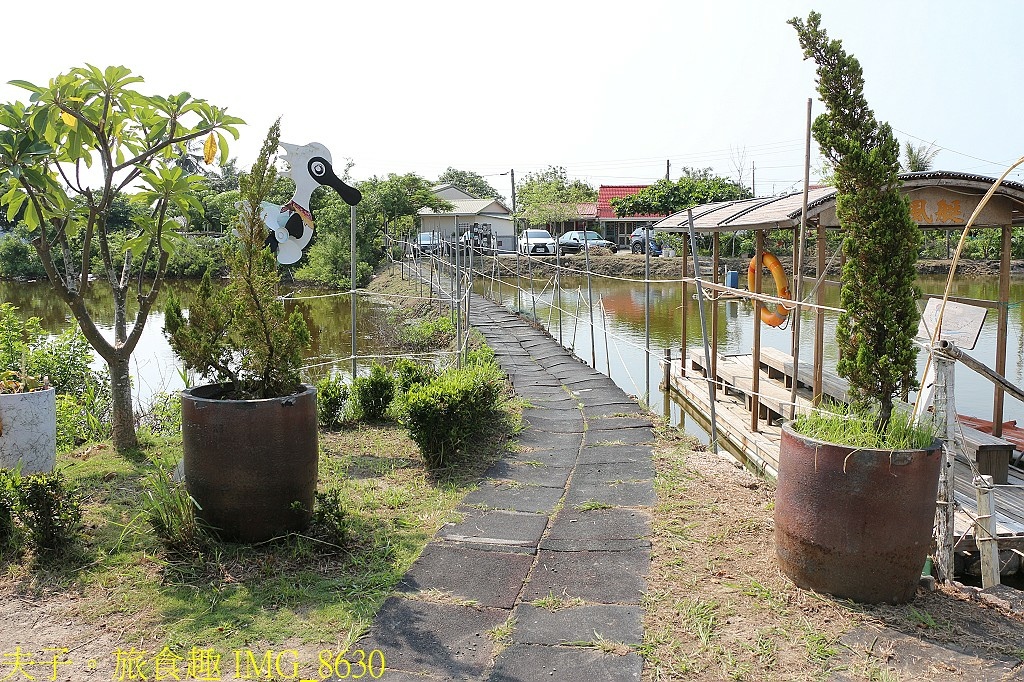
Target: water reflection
[[154, 367]]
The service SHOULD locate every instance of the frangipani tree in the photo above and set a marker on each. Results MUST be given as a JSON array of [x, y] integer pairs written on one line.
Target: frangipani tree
[[83, 139]]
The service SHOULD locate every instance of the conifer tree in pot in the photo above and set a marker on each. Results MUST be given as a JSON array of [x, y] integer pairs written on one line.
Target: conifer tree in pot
[[250, 438], [854, 518]]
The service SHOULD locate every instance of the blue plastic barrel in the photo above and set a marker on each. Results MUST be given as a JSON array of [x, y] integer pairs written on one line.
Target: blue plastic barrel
[[732, 279]]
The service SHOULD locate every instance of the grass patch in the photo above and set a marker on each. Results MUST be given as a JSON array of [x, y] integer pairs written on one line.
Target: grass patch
[[844, 425], [592, 505], [553, 603], [387, 506]]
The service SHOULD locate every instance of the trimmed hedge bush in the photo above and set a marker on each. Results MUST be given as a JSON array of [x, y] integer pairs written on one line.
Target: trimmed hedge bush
[[373, 394], [331, 398], [442, 415]]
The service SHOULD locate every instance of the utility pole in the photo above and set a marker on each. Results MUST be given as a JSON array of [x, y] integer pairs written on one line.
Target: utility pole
[[668, 167], [753, 178]]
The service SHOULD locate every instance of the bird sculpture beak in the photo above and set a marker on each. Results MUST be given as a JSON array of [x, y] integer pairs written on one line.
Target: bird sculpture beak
[[326, 176]]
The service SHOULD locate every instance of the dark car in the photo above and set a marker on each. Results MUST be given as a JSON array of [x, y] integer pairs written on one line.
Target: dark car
[[636, 241], [576, 240]]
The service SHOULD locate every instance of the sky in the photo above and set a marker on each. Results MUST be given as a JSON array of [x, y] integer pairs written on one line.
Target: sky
[[609, 90]]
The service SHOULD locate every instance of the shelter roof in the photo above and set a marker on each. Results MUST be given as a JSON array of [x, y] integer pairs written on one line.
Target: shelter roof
[[769, 213], [469, 207]]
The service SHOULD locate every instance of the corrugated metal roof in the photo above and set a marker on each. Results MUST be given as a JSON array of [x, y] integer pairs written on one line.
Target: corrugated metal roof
[[784, 211], [465, 207], [607, 192]]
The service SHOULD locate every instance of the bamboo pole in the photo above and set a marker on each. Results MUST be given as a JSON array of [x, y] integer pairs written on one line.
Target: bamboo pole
[[716, 264], [1002, 325], [819, 320], [798, 266], [685, 306]]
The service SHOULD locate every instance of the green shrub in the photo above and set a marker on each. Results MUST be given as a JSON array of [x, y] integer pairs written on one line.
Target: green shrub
[[373, 394], [163, 417], [50, 511], [171, 511], [330, 521], [331, 401], [18, 259], [9, 531], [442, 415], [409, 373], [427, 334]]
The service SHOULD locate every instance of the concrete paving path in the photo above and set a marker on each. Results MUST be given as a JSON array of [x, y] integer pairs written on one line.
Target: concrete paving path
[[562, 521]]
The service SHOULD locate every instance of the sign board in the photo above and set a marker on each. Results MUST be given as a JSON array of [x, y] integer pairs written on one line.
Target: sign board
[[961, 323]]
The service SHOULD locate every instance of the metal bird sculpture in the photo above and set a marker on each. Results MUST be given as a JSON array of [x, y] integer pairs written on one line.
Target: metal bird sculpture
[[290, 226]]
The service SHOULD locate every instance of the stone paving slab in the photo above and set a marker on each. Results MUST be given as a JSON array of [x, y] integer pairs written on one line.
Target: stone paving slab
[[533, 662], [600, 524], [542, 456], [624, 494], [550, 476], [446, 641], [604, 454], [593, 397], [523, 498], [487, 578], [616, 423], [594, 577], [565, 424], [611, 623], [627, 436], [613, 408], [496, 528], [609, 472], [548, 440]]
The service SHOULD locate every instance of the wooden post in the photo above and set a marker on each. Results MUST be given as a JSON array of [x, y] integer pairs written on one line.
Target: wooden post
[[1002, 324], [686, 302], [985, 532], [666, 378], [755, 379], [819, 318], [715, 263], [944, 419]]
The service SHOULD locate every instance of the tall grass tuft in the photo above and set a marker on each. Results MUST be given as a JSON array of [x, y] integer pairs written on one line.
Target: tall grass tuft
[[844, 425], [171, 511]]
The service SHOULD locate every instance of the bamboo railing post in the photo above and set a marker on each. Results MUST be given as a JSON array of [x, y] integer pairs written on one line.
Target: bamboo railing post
[[716, 264], [985, 532], [685, 306], [1002, 325], [819, 318]]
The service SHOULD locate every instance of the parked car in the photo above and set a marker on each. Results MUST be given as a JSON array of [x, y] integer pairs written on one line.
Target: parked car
[[429, 244], [636, 241], [575, 241], [537, 243]]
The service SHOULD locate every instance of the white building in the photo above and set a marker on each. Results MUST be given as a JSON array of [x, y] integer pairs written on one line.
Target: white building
[[469, 214]]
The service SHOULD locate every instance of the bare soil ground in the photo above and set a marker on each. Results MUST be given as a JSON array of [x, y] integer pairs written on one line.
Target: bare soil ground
[[719, 608]]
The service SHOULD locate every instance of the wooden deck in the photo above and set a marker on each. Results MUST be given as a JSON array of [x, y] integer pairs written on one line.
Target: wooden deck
[[759, 450]]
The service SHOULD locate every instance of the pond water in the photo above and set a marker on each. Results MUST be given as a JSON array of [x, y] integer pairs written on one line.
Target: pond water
[[620, 352], [618, 341], [154, 366]]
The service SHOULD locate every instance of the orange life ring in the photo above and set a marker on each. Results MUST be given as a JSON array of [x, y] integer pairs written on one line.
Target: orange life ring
[[772, 318]]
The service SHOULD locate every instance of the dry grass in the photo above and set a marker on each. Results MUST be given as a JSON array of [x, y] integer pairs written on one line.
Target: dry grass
[[718, 607]]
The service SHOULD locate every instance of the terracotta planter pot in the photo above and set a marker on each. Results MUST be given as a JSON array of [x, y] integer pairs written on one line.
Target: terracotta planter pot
[[855, 523], [28, 431], [248, 462]]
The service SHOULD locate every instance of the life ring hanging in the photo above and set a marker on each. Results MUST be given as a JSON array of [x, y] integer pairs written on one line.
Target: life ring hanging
[[772, 318]]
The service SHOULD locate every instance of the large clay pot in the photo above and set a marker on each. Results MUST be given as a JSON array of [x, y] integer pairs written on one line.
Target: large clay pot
[[855, 523], [251, 465], [28, 431]]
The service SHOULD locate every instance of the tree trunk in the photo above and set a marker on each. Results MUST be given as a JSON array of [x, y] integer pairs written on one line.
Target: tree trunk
[[122, 417]]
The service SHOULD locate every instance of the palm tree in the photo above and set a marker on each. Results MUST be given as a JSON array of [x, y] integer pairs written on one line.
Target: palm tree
[[918, 157]]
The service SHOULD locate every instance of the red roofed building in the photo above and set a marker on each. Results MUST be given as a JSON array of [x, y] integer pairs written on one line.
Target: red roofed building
[[617, 229]]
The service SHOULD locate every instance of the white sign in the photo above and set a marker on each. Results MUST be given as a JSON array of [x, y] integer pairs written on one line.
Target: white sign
[[961, 323]]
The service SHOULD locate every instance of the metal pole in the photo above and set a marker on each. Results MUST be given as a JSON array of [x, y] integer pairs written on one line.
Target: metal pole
[[683, 311], [755, 379], [529, 272], [558, 289], [352, 276], [647, 313], [458, 297], [798, 265], [715, 258], [703, 328], [590, 303], [607, 350]]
